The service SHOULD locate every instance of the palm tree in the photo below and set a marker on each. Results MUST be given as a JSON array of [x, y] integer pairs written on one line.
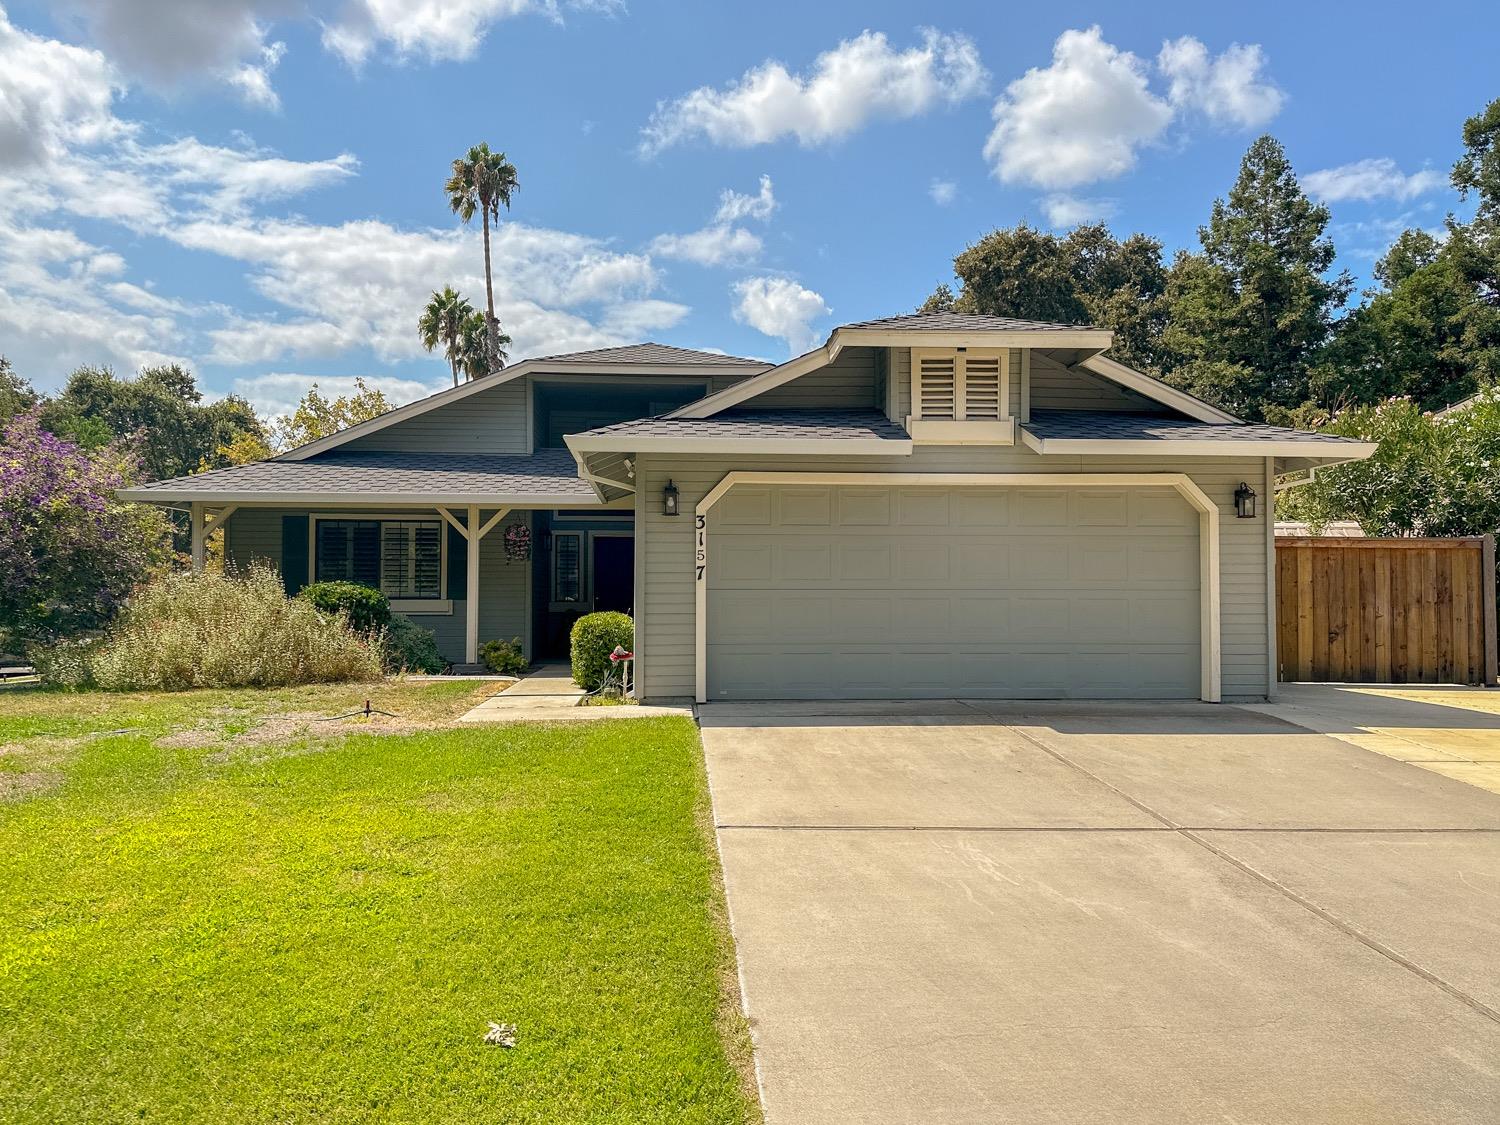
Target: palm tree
[[475, 356], [483, 181], [442, 322]]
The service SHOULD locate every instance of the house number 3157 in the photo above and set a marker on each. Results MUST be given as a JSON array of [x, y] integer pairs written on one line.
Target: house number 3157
[[701, 522]]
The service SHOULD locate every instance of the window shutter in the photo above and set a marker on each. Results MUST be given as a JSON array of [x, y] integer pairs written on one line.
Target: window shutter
[[981, 386], [937, 386], [458, 565], [293, 553]]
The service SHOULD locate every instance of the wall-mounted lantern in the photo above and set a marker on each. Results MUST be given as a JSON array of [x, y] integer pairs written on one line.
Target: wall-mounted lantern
[[669, 499], [1244, 501]]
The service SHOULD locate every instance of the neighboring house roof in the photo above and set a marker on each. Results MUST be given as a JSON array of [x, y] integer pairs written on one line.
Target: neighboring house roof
[[963, 322], [652, 354], [548, 477], [764, 431], [1087, 431]]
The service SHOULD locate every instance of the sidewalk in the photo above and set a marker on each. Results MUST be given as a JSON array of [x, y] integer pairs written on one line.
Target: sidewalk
[[548, 694]]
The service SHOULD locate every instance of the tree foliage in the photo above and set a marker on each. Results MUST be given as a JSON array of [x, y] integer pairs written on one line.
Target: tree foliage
[[442, 324], [70, 552], [16, 394], [317, 416], [483, 182]]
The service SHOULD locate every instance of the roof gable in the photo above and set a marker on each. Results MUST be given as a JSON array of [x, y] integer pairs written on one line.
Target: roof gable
[[651, 354]]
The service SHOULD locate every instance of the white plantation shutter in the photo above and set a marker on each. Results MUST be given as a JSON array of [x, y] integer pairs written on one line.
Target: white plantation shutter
[[960, 386], [937, 386]]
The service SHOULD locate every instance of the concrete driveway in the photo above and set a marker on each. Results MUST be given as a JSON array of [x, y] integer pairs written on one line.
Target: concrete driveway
[[1104, 913]]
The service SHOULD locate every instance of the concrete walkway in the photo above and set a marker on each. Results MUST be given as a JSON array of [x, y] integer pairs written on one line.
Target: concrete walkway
[[1112, 913], [548, 694], [1454, 731]]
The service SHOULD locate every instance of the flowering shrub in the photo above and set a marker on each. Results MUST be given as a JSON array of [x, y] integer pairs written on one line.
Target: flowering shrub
[[70, 553], [213, 630]]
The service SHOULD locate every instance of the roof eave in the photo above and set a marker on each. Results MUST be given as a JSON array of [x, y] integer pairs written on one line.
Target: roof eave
[[799, 447], [1191, 447], [359, 499]]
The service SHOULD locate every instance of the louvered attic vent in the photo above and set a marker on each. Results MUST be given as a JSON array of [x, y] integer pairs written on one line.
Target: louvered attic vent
[[960, 397]]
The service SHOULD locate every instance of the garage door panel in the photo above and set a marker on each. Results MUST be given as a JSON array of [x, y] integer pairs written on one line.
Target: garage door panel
[[1062, 593]]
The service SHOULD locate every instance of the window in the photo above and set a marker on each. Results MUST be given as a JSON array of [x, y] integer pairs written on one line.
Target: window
[[401, 558], [567, 566]]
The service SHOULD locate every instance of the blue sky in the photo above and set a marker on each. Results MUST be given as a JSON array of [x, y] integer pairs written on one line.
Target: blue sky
[[254, 186]]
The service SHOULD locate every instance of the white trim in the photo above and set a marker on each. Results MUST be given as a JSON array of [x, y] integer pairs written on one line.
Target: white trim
[[471, 585], [946, 431], [1268, 514], [626, 442], [1081, 338], [499, 378], [1117, 372], [199, 532], [1208, 539], [1198, 447], [1025, 385], [373, 499]]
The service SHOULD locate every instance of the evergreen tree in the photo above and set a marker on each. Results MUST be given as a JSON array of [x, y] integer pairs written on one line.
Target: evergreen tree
[[1248, 315]]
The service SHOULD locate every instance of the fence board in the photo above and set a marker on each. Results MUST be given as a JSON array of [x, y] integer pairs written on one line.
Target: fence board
[[1386, 610]]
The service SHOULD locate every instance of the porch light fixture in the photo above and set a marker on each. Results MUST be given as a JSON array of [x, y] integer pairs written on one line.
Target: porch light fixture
[[669, 499], [1244, 501]]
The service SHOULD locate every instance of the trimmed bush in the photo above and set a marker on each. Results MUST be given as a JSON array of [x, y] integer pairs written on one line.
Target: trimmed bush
[[214, 630], [504, 658], [367, 607], [595, 636], [411, 648]]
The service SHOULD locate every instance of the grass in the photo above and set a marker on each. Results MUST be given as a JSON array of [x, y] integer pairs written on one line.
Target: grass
[[218, 914]]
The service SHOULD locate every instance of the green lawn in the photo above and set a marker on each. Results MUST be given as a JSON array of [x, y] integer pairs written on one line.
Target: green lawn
[[221, 914]]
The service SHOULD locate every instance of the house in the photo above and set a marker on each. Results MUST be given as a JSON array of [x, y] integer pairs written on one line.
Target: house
[[925, 506]]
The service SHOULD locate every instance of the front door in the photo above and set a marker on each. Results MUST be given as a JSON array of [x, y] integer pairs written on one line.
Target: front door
[[614, 573]]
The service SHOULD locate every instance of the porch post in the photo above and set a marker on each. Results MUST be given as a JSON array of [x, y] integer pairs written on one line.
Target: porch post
[[471, 604], [198, 536]]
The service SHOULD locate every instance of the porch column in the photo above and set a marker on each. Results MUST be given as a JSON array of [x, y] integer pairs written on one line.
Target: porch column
[[199, 535], [471, 604]]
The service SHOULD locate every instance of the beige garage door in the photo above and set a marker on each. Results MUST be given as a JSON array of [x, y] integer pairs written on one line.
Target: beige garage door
[[832, 592]]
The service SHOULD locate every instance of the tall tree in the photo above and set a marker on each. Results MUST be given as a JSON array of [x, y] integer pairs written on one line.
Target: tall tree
[[16, 394], [442, 323], [1086, 277], [1249, 313], [161, 411], [483, 181], [475, 355]]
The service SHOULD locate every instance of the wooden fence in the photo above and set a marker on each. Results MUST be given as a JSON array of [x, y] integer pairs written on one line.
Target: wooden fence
[[1386, 611]]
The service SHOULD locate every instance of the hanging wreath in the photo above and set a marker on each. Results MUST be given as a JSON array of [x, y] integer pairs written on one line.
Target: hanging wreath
[[517, 542]]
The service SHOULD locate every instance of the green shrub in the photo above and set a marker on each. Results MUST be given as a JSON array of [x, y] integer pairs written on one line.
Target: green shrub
[[367, 607], [504, 658], [216, 630], [595, 636], [411, 648]]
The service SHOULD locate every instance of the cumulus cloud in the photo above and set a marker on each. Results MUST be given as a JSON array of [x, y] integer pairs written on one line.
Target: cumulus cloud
[[779, 306], [52, 95], [1229, 90], [721, 242], [1064, 210], [1084, 118], [1368, 180], [253, 80], [861, 80], [943, 192], [1078, 120], [279, 392], [432, 29]]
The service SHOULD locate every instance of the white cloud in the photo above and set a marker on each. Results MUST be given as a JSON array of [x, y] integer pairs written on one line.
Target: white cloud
[[432, 29], [733, 206], [1078, 120], [1376, 178], [715, 245], [943, 192], [1229, 90], [778, 306], [52, 95], [861, 80], [279, 392], [253, 80], [1064, 210]]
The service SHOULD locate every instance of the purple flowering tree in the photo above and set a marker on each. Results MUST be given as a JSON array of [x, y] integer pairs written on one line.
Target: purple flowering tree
[[70, 553]]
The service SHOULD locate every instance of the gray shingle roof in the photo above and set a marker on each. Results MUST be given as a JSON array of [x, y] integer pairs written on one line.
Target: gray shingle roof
[[765, 424], [652, 355], [958, 322], [1077, 425], [548, 472]]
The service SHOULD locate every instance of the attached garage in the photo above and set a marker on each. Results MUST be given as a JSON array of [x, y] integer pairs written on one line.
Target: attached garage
[[1083, 587]]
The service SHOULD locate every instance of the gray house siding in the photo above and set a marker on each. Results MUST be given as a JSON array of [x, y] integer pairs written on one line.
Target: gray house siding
[[490, 421], [254, 534], [665, 549], [1055, 387], [849, 382]]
